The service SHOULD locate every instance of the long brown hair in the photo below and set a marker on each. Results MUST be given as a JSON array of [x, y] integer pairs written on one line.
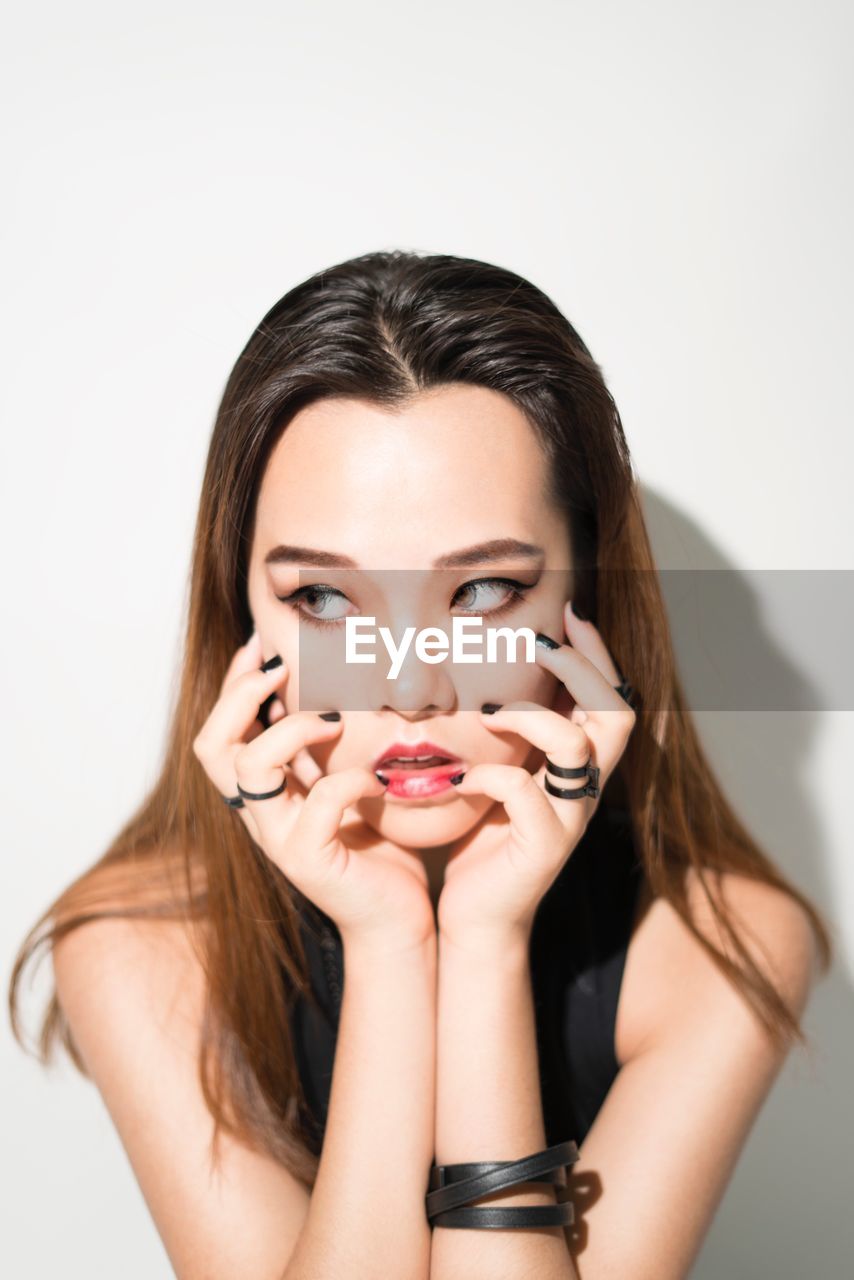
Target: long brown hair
[[385, 327]]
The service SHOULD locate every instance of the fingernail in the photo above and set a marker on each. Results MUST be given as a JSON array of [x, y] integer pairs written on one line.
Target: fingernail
[[457, 777], [582, 617], [383, 779], [490, 708], [546, 641], [330, 715], [275, 661]]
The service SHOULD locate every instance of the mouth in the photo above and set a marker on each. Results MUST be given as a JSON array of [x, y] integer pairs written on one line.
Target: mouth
[[419, 769]]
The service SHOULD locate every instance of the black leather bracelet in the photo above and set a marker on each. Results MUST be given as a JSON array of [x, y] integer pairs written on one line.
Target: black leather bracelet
[[454, 1185], [488, 1218], [446, 1175]]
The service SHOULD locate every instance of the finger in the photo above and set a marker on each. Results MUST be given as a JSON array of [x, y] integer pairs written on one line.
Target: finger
[[232, 725], [276, 711], [607, 719], [248, 820], [534, 824], [593, 693], [237, 707], [586, 638], [259, 764], [301, 774], [243, 659], [315, 833], [563, 743], [262, 765], [305, 769]]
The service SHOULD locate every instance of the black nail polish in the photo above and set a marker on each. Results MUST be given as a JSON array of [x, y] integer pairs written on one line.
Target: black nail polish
[[329, 715], [546, 641], [264, 711], [383, 779], [275, 661], [582, 617], [490, 708], [456, 778]]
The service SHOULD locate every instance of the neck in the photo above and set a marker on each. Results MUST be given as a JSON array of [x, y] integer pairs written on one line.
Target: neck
[[435, 859]]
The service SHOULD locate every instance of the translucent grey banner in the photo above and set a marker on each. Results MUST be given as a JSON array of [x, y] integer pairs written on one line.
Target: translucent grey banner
[[447, 640]]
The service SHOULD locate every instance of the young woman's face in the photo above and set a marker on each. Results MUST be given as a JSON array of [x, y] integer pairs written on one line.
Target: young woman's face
[[461, 466]]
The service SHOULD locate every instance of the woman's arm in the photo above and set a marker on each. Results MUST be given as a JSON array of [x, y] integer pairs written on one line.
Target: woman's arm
[[657, 1159], [488, 1107], [367, 1216], [664, 1144], [134, 993]]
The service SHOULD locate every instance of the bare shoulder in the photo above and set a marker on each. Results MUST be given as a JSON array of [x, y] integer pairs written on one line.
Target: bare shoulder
[[696, 1067], [668, 973], [133, 992], [117, 978], [138, 967]]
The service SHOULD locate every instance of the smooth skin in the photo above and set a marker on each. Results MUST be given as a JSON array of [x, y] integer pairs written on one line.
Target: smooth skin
[[436, 1048]]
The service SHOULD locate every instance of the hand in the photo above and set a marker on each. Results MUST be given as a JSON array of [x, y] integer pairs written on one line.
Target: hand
[[498, 874], [375, 892]]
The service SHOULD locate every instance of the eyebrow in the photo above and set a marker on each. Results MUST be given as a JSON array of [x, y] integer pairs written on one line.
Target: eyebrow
[[479, 553]]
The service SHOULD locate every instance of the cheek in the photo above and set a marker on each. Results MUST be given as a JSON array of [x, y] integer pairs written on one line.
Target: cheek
[[518, 682]]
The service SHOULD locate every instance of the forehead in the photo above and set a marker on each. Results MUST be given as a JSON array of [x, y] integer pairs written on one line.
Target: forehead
[[456, 464]]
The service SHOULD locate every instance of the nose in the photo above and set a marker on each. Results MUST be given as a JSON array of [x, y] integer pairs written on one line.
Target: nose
[[420, 688]]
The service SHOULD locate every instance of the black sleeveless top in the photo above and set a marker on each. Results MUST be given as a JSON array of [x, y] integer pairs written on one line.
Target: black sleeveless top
[[577, 954]]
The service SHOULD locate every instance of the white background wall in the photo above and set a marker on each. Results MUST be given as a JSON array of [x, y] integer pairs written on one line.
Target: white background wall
[[677, 176]]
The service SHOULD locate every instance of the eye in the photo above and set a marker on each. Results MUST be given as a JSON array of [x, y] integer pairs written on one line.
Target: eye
[[305, 599], [311, 595], [511, 591]]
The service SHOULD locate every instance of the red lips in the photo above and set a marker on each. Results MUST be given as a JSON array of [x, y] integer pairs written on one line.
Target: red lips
[[432, 753]]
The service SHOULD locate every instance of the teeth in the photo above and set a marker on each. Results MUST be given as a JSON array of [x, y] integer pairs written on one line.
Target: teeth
[[413, 760]]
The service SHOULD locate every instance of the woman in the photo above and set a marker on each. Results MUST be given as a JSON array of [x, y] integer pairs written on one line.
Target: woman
[[529, 961]]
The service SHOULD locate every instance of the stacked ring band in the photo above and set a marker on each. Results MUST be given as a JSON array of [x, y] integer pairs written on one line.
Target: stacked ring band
[[454, 1185], [591, 789]]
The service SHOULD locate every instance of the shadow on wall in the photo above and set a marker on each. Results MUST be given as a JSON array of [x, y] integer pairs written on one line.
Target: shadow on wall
[[786, 1211]]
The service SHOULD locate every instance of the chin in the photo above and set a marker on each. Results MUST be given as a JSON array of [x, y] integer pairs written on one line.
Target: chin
[[422, 824]]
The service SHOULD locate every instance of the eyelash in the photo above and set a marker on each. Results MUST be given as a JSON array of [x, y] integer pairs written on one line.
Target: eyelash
[[519, 591]]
